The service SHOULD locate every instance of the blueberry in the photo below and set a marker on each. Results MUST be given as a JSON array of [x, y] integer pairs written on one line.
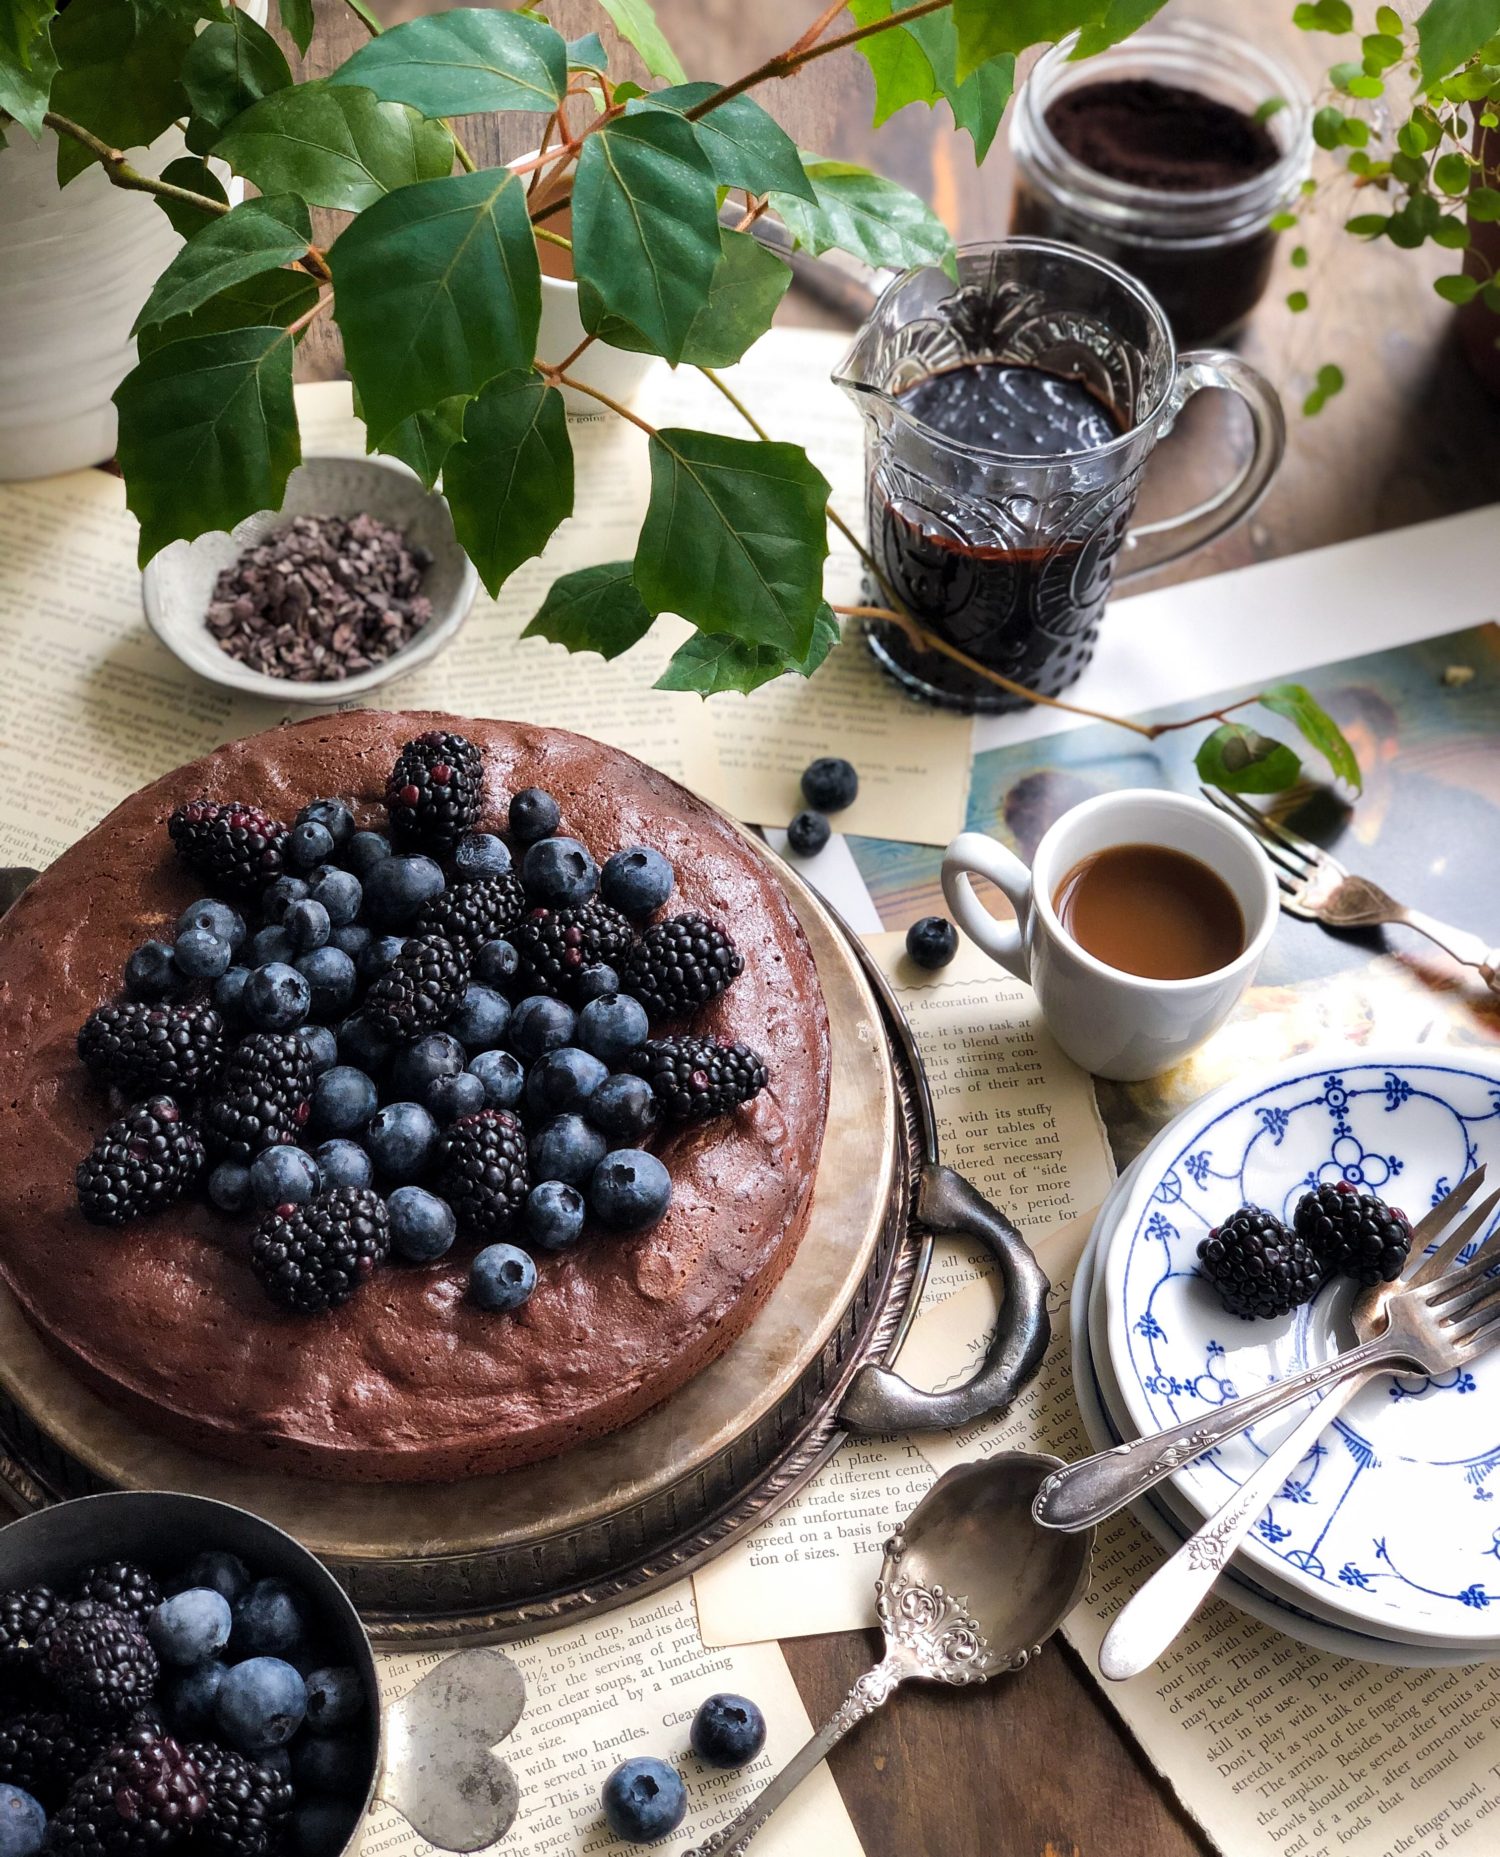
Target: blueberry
[[594, 981], [439, 1054], [502, 1076], [727, 1731], [344, 1163], [613, 1026], [308, 925], [807, 834], [272, 943], [260, 1704], [283, 1176], [481, 854], [422, 1225], [399, 1139], [278, 1761], [563, 1079], [378, 954], [447, 1098], [636, 881], [496, 962], [644, 1800], [624, 1107], [533, 815], [361, 1045], [397, 887], [932, 942], [308, 845], [501, 1277], [190, 1627], [226, 1573], [559, 872], [200, 955], [365, 850], [482, 1017], [277, 898], [23, 1823], [334, 1766], [335, 1698], [566, 1148], [270, 1620], [629, 1189], [552, 1218], [330, 974], [333, 815], [191, 1697], [229, 992], [351, 938], [340, 892], [343, 1100], [277, 998], [222, 922], [320, 1045], [830, 784], [540, 1024], [151, 973], [229, 1186], [322, 1827]]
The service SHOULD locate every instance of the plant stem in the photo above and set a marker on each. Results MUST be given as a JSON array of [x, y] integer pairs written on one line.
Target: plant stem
[[738, 404], [121, 174], [568, 360], [801, 53], [552, 238], [559, 378], [310, 316]]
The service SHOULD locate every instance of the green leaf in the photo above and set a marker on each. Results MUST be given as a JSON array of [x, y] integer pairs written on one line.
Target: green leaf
[[117, 72], [985, 28], [1118, 20], [1456, 288], [1297, 704], [463, 62], [1366, 225], [257, 235], [297, 17], [1484, 205], [1381, 50], [1449, 32], [748, 285], [424, 441], [198, 177], [509, 479], [208, 433], [635, 21], [1240, 760], [1451, 173], [710, 664], [1451, 234], [860, 212], [1389, 21], [1296, 301], [735, 537], [1324, 16], [918, 63], [1326, 124], [1272, 106], [593, 609], [743, 145], [27, 61], [902, 70], [437, 290], [645, 227], [269, 299], [339, 148], [588, 54], [230, 65]]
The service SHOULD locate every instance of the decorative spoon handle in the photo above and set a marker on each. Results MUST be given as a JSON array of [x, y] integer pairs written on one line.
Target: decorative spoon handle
[[873, 1689]]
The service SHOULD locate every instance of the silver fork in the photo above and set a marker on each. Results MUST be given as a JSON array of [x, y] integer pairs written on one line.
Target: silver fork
[[1431, 1327], [1316, 887], [1155, 1614]]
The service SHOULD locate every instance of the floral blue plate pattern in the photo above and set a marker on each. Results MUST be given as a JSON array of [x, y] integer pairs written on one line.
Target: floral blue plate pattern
[[1390, 1523]]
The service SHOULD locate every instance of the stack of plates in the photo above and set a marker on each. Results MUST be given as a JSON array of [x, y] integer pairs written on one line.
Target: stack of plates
[[1384, 1543]]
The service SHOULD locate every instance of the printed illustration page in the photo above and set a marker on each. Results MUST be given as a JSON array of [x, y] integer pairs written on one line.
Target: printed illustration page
[[623, 1685]]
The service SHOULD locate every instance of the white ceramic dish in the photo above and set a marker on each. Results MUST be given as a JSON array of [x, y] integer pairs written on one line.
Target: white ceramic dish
[[177, 584]]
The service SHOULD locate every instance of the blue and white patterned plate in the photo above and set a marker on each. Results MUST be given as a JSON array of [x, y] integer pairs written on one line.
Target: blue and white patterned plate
[[1390, 1524]]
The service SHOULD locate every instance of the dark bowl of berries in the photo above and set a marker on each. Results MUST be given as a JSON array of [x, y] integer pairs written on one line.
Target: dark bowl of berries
[[177, 1674]]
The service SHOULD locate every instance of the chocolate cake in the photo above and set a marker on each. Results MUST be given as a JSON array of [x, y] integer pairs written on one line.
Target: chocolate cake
[[409, 1380]]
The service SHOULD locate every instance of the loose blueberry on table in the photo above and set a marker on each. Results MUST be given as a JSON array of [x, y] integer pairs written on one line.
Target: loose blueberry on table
[[644, 1799], [421, 1041]]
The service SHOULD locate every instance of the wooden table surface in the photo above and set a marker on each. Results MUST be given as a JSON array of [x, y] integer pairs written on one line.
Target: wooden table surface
[[1039, 1766]]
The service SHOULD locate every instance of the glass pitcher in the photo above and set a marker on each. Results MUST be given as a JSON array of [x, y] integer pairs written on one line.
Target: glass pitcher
[[1008, 558]]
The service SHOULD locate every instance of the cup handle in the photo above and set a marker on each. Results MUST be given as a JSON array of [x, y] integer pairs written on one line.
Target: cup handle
[[1154, 544], [442, 1770], [978, 853]]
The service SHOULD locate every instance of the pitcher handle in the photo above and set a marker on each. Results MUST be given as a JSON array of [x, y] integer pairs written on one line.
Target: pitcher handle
[[1154, 544]]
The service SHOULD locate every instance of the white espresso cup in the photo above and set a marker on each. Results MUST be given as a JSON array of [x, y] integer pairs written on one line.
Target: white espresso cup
[[1116, 1024]]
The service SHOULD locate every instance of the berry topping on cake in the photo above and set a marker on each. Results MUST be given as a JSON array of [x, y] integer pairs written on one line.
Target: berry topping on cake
[[246, 1803], [482, 910], [434, 792], [637, 880], [696, 1078], [481, 1170], [139, 1047], [681, 964], [98, 1661], [314, 1257], [1257, 1266], [533, 815], [501, 1278], [237, 848], [144, 1794], [1353, 1234], [555, 945], [122, 1584], [263, 1096], [141, 1163], [419, 990]]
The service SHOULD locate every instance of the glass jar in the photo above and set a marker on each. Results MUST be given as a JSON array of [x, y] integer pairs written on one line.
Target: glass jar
[[1204, 255]]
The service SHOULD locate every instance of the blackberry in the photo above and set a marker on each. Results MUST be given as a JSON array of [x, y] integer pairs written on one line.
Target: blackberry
[[143, 1794], [470, 914], [23, 1613], [681, 964], [236, 847], [482, 1172], [434, 791], [555, 945], [263, 1097], [247, 1804], [315, 1257], [122, 1584], [1353, 1234], [1257, 1266], [140, 1047], [43, 1753], [421, 988], [141, 1163], [695, 1078], [98, 1660]]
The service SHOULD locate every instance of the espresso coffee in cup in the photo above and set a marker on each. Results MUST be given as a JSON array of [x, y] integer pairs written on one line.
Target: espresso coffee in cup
[[1151, 910]]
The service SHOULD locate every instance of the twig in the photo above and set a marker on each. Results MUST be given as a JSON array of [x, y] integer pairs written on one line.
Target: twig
[[121, 174], [568, 360], [799, 54], [311, 315], [552, 238], [556, 375], [739, 406]]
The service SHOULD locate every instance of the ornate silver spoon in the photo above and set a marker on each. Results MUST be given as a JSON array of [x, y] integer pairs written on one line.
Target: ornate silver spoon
[[971, 1587]]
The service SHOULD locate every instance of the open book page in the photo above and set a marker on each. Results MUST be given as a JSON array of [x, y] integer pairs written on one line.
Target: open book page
[[623, 1685], [1017, 1119], [1273, 1748]]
